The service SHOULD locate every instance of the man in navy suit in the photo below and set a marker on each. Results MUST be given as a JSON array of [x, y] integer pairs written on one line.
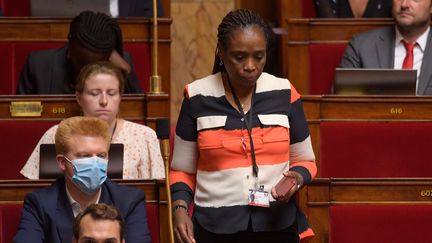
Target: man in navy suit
[[82, 145]]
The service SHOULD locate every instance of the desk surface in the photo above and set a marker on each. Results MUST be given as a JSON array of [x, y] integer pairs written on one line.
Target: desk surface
[[57, 29], [15, 190], [140, 107], [371, 107], [322, 30]]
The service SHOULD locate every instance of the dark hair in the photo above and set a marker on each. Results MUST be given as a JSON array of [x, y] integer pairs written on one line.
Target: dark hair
[[99, 211], [96, 32], [237, 19]]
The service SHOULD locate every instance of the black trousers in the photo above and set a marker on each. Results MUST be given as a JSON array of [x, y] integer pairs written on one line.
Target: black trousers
[[288, 235]]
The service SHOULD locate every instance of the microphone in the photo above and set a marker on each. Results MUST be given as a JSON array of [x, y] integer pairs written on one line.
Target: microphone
[[163, 134]]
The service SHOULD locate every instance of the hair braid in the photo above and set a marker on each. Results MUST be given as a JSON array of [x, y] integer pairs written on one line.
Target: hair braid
[[96, 32], [237, 19]]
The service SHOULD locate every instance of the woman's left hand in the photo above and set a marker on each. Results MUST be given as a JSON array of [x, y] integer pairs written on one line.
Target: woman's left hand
[[294, 189]]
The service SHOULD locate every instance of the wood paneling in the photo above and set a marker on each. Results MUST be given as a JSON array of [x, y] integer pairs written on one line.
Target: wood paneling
[[323, 193], [362, 108], [304, 32], [139, 108], [316, 198]]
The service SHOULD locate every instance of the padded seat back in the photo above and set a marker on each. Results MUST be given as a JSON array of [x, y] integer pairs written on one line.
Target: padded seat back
[[140, 53], [14, 8], [380, 223], [375, 149], [153, 221], [21, 52], [18, 139], [13, 56], [10, 214], [323, 60], [308, 9], [7, 83]]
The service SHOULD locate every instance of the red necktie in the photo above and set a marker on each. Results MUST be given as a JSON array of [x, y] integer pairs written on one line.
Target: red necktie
[[409, 58]]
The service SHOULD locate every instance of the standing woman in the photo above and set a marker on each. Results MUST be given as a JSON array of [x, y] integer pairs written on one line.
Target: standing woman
[[240, 132], [99, 88]]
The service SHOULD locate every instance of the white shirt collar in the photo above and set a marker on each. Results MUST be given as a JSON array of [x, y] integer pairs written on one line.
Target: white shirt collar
[[114, 8], [76, 207], [421, 41]]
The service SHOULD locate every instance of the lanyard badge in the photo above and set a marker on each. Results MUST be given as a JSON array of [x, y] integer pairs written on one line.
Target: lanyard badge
[[258, 197]]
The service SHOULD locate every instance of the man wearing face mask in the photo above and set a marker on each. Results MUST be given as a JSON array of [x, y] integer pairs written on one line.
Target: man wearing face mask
[[82, 145]]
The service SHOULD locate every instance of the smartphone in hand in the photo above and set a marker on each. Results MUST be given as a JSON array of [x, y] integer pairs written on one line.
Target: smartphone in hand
[[284, 185]]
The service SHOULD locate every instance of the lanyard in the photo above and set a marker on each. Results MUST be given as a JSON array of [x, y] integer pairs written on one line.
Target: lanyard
[[248, 124]]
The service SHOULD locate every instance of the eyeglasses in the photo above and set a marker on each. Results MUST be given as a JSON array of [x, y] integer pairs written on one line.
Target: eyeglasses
[[243, 144]]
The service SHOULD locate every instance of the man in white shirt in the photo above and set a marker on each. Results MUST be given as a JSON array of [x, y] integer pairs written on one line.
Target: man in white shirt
[[389, 47]]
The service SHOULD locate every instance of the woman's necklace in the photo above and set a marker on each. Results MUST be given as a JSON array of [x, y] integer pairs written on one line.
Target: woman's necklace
[[244, 108], [115, 127], [244, 104]]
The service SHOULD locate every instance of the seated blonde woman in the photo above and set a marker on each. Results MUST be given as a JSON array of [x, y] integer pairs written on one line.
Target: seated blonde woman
[[99, 89]]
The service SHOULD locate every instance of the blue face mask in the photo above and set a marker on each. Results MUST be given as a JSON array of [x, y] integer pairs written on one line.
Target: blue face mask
[[89, 173]]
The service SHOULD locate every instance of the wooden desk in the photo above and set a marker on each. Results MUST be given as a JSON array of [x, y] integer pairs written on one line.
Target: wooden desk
[[323, 193], [316, 198], [362, 108], [143, 108], [57, 29], [304, 32], [13, 191], [21, 133]]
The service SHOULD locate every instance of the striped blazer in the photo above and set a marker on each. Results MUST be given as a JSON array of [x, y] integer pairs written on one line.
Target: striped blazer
[[213, 167]]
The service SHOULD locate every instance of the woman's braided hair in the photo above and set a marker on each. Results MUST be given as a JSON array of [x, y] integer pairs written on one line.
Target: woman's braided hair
[[237, 19], [96, 32]]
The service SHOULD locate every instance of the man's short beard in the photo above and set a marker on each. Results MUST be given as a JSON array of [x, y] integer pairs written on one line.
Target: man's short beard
[[412, 27]]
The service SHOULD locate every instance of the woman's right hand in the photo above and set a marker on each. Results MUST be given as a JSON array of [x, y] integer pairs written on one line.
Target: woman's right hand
[[183, 227], [119, 62]]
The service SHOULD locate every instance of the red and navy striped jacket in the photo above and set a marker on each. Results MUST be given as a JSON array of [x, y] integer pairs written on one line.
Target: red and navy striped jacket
[[211, 167]]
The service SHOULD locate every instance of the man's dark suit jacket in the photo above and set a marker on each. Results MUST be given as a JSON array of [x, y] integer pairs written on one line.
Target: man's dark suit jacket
[[49, 72], [375, 49], [47, 214], [139, 8]]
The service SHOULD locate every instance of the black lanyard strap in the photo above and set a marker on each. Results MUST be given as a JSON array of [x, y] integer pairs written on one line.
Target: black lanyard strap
[[248, 124]]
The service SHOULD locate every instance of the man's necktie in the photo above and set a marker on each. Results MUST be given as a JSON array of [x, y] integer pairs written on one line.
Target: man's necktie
[[409, 58]]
